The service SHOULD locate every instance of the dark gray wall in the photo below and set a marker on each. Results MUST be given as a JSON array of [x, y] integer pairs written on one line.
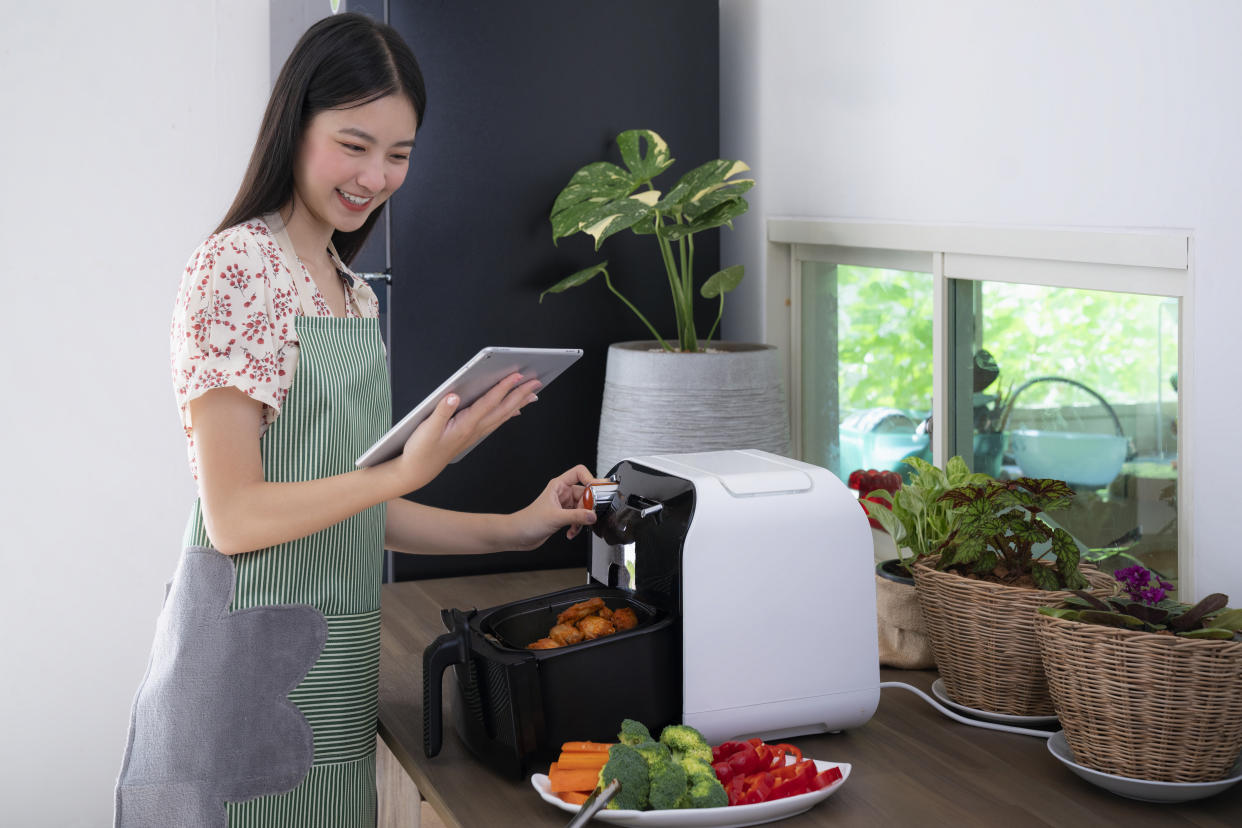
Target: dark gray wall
[[521, 94]]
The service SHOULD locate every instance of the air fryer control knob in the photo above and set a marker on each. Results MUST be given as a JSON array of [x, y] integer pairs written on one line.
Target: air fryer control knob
[[619, 525]]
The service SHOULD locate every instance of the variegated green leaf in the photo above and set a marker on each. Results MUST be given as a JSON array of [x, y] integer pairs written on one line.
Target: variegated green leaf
[[967, 550], [615, 216], [598, 181], [674, 198], [1044, 577], [647, 227], [1029, 530], [1068, 558], [723, 281], [580, 278], [643, 168], [724, 213], [1050, 495], [1060, 612], [707, 185], [730, 192], [569, 221]]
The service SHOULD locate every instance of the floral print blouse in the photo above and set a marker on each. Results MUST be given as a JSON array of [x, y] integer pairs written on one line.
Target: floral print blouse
[[233, 320]]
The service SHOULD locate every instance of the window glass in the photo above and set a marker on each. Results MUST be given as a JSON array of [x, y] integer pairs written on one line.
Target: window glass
[[1047, 382], [867, 366], [1080, 386]]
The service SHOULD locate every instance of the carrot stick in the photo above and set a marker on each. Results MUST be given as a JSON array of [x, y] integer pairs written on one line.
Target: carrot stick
[[581, 747], [582, 759], [574, 797], [572, 779]]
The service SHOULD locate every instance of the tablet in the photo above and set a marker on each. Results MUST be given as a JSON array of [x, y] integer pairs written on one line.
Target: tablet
[[474, 379]]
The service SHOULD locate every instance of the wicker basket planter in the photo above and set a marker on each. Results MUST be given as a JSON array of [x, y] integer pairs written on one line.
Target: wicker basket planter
[[1146, 706], [983, 636]]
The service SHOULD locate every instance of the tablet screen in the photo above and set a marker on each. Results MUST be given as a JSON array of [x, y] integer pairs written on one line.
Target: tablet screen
[[474, 379]]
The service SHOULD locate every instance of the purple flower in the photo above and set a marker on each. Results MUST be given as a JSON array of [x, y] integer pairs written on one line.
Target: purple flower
[[1137, 582]]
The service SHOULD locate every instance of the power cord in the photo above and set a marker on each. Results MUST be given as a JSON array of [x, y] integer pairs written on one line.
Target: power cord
[[1022, 731]]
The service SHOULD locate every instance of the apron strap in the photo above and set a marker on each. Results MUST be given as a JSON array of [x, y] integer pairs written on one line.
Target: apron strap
[[277, 225]]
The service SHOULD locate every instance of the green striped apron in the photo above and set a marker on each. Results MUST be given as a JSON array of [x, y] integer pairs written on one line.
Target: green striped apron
[[337, 406]]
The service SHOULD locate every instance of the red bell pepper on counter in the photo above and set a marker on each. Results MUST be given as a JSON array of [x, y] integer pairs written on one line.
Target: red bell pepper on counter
[[753, 772]]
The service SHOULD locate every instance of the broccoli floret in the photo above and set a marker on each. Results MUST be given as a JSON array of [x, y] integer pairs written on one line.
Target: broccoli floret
[[633, 733], [703, 788], [628, 765], [686, 742], [667, 777]]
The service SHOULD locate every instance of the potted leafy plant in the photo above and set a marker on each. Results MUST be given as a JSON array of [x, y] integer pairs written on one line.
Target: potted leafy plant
[[602, 199], [978, 592], [726, 395], [1146, 687], [918, 521], [915, 515]]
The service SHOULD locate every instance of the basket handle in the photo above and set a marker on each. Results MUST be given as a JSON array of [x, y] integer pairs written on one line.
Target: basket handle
[[451, 648]]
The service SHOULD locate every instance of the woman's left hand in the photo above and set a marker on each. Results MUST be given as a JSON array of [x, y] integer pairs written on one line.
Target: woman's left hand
[[560, 504]]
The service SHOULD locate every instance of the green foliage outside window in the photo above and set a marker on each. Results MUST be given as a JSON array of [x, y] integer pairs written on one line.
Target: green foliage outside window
[[1107, 341]]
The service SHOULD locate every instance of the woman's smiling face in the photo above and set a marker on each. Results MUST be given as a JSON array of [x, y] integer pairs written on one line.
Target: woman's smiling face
[[351, 160]]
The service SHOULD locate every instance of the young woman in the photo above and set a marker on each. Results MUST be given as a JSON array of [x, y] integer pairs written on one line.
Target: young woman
[[259, 704]]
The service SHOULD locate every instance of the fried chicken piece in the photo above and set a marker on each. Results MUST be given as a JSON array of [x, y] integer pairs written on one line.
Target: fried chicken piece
[[624, 619], [580, 610], [543, 644], [593, 627], [565, 634], [605, 613]]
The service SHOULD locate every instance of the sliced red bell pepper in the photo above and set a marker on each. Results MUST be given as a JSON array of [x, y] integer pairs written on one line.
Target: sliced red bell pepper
[[726, 749], [825, 778], [798, 782], [758, 788], [745, 761], [790, 771], [787, 748]]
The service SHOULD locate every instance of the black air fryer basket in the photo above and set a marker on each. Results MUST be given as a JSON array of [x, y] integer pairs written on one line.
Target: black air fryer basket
[[516, 707]]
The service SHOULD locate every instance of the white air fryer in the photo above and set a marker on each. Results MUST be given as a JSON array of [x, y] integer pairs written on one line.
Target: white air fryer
[[768, 562]]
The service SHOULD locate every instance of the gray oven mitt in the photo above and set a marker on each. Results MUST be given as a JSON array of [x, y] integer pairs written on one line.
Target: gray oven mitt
[[212, 721]]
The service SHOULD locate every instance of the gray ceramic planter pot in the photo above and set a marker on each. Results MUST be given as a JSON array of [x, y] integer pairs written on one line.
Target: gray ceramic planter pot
[[656, 402]]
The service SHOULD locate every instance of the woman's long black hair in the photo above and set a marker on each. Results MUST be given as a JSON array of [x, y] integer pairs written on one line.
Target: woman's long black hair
[[342, 61]]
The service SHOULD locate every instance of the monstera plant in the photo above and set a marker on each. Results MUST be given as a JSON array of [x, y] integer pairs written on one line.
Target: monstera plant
[[603, 199]]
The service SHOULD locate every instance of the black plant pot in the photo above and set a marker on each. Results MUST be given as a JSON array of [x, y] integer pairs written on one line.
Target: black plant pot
[[894, 571]]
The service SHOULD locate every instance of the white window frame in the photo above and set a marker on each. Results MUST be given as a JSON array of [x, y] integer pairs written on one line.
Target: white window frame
[[1151, 262]]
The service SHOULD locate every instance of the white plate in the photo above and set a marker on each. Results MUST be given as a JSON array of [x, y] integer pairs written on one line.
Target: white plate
[[1140, 789], [732, 816], [1004, 718]]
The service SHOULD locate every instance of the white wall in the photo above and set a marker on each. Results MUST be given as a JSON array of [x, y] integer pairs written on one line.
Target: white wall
[[1062, 113], [126, 129]]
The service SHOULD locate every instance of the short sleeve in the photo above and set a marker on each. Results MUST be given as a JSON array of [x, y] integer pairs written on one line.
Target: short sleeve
[[233, 321]]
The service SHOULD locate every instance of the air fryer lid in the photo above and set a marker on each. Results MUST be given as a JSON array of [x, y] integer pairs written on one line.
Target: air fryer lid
[[515, 625]]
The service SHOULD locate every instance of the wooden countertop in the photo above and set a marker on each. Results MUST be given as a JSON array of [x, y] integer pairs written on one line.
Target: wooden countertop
[[911, 765]]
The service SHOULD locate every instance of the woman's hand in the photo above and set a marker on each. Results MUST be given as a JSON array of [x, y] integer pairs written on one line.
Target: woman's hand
[[448, 432], [560, 504]]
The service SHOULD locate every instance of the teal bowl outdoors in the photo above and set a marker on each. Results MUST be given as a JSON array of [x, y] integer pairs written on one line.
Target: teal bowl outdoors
[[1075, 457]]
